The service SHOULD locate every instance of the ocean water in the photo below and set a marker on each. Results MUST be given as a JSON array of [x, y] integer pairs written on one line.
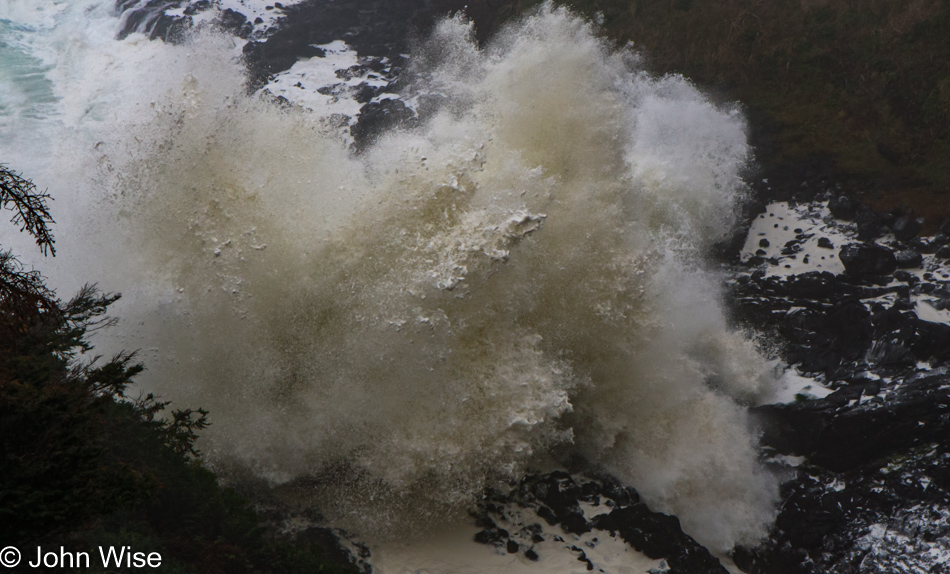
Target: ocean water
[[518, 279]]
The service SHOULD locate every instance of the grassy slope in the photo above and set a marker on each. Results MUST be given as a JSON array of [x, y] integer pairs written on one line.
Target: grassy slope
[[863, 83]]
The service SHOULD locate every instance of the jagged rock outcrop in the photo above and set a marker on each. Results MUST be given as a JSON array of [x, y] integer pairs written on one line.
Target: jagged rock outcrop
[[557, 497], [872, 492]]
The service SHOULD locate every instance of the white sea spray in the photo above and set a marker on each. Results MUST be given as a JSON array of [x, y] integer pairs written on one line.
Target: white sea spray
[[520, 275]]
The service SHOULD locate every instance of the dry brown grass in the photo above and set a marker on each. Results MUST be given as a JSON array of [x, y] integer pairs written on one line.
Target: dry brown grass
[[864, 82]]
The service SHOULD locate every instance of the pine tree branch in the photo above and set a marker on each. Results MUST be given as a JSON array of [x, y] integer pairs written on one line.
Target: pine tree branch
[[32, 214]]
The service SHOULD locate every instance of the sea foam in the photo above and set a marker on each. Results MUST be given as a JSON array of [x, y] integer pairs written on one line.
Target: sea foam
[[518, 277]]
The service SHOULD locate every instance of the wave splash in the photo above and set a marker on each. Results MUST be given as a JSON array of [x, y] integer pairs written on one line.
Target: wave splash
[[518, 276]]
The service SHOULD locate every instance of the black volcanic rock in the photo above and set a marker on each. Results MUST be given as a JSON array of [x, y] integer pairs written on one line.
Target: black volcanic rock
[[870, 224], [149, 18], [492, 536], [558, 495], [376, 117], [659, 536], [839, 439], [810, 285], [234, 22], [372, 27], [843, 207], [867, 259], [575, 523], [888, 516], [905, 227], [908, 259]]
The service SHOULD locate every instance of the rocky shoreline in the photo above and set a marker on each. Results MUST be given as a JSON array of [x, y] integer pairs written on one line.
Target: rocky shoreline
[[871, 494], [856, 299]]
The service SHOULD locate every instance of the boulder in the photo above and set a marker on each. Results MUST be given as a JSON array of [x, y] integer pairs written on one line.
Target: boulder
[[843, 207], [868, 259], [906, 227], [908, 259], [871, 225], [659, 536], [376, 117]]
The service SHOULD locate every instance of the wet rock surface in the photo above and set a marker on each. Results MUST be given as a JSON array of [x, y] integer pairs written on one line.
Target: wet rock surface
[[871, 489], [579, 505], [887, 517], [857, 299], [868, 259], [375, 28], [380, 32], [170, 20]]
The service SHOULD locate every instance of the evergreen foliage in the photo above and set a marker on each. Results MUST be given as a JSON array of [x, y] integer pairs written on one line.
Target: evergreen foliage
[[84, 464]]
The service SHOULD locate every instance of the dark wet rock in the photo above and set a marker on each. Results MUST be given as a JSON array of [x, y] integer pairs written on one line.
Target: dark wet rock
[[658, 536], [148, 17], [811, 285], [618, 493], [235, 23], [575, 523], [889, 517], [843, 207], [492, 537], [171, 30], [365, 93], [533, 532], [827, 338], [870, 224], [825, 243], [559, 494], [376, 117], [792, 247], [531, 555], [583, 558], [763, 243], [847, 510], [484, 521], [312, 52], [906, 227], [372, 28], [829, 328], [932, 246], [867, 259], [512, 546], [908, 259], [932, 342], [943, 252], [906, 277], [548, 515], [839, 434]]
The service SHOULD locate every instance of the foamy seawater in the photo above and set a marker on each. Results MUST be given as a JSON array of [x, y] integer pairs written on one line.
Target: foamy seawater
[[519, 277]]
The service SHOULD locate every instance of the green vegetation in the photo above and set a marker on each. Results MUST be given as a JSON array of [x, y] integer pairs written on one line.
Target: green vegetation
[[862, 83], [83, 464]]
